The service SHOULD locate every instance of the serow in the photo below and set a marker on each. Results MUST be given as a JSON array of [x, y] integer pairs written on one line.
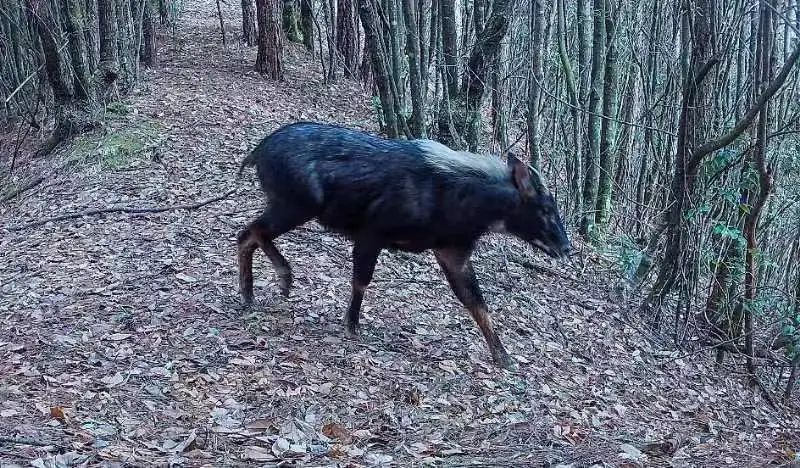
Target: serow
[[408, 195]]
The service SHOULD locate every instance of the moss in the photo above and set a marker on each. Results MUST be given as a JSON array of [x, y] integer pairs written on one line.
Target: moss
[[115, 149]]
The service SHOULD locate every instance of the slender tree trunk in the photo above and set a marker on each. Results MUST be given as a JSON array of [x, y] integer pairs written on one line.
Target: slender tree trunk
[[90, 35], [269, 61], [499, 107], [536, 78], [346, 37], [307, 23], [574, 164], [761, 192], [291, 21], [249, 30], [447, 14], [594, 122], [109, 60], [482, 58], [380, 69], [417, 123], [608, 126], [72, 15], [125, 49], [149, 49]]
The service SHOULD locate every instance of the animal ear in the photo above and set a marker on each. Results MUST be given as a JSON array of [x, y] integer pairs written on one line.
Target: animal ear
[[521, 176]]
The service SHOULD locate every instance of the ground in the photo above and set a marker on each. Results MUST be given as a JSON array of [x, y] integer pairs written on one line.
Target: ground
[[123, 340]]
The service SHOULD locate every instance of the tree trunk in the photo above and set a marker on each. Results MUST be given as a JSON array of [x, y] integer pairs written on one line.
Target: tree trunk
[[380, 68], [291, 21], [307, 23], [347, 36], [484, 54], [72, 15], [109, 57], [126, 51], [757, 196], [575, 164], [447, 14], [72, 113], [594, 122], [269, 61], [499, 107], [535, 81], [417, 124], [249, 30], [608, 128], [149, 50], [90, 35]]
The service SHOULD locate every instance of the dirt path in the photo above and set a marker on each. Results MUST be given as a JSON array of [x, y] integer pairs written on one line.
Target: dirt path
[[123, 339]]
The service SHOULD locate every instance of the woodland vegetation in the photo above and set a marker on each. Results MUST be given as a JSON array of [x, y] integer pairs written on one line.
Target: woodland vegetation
[[668, 131]]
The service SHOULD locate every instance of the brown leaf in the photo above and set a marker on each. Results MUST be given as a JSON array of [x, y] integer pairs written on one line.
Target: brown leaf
[[256, 453], [336, 432], [57, 412]]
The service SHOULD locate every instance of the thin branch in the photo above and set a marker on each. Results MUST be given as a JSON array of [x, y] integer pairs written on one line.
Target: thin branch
[[17, 192], [586, 111], [746, 120], [121, 209]]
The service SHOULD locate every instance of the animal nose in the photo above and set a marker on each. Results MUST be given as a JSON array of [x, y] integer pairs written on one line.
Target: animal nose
[[567, 251]]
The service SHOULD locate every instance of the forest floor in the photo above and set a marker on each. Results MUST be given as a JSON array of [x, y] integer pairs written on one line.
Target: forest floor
[[123, 340]]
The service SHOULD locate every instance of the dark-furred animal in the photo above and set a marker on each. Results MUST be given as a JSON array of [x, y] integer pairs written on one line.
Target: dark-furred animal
[[409, 195]]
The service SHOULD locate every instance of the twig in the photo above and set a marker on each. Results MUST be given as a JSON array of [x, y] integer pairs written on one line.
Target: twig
[[21, 190], [121, 209], [25, 441]]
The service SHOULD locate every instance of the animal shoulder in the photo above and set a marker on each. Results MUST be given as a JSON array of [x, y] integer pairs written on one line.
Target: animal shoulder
[[461, 162]]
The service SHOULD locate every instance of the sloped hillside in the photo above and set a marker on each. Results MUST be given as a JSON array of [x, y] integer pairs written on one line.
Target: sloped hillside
[[123, 340]]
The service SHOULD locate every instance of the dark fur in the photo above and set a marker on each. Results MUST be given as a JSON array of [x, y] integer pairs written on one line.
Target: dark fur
[[387, 194]]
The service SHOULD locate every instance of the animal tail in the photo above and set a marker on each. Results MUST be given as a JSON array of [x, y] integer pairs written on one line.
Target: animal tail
[[248, 161]]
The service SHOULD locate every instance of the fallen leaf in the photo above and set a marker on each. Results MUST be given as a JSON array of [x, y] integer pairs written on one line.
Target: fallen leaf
[[280, 446], [118, 336], [337, 432], [631, 451], [186, 278], [256, 453], [113, 380], [57, 412]]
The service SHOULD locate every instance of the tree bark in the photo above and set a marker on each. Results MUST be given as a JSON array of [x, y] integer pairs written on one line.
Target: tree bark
[[126, 51], [347, 36], [380, 69], [72, 15], [608, 127], [757, 196], [594, 122], [109, 57], [269, 61], [447, 14], [307, 23], [249, 30], [149, 50], [537, 44], [291, 21], [417, 121]]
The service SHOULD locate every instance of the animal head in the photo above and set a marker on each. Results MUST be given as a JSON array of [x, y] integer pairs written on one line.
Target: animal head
[[536, 219]]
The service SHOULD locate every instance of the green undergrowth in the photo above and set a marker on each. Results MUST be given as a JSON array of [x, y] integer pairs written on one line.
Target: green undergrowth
[[120, 143]]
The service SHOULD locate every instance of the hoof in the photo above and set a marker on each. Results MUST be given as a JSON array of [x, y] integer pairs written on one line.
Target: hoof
[[285, 285], [502, 359], [352, 332]]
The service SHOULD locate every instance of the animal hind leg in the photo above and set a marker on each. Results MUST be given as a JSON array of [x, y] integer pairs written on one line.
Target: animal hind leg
[[261, 233]]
